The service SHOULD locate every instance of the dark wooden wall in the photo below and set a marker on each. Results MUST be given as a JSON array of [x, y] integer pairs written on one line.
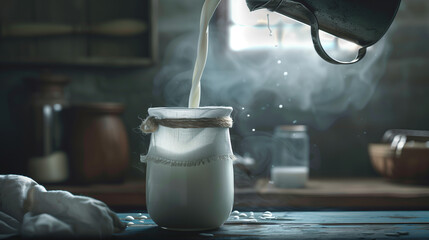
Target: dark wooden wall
[[400, 99]]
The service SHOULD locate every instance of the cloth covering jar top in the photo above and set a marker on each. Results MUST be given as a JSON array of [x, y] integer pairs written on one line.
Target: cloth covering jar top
[[189, 177]]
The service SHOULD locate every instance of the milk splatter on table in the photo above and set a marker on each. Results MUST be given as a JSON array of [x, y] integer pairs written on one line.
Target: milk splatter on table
[[296, 225]]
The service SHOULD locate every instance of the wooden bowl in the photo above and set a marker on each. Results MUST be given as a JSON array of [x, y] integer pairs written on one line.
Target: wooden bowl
[[410, 166]]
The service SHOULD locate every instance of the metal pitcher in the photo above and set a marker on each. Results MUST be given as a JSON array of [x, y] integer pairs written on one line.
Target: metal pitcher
[[363, 22]]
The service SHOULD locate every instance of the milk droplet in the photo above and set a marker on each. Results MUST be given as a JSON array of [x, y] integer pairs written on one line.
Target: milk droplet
[[268, 24], [392, 234], [280, 106], [143, 217], [129, 218], [141, 221], [242, 108], [242, 215], [236, 217], [268, 213], [207, 234], [253, 129], [294, 121], [248, 115], [130, 223], [235, 212], [252, 213], [249, 220], [285, 73], [279, 61]]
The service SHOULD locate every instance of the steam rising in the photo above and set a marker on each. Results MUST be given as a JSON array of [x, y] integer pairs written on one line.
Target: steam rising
[[298, 80], [270, 87]]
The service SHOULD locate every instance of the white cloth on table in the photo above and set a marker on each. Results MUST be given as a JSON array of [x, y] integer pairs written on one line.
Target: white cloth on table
[[27, 209]]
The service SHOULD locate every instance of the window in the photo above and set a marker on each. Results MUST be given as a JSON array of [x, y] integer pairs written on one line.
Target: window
[[263, 29]]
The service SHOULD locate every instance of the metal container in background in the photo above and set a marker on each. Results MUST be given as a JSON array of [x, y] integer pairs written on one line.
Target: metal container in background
[[363, 22], [403, 156], [291, 153], [47, 161]]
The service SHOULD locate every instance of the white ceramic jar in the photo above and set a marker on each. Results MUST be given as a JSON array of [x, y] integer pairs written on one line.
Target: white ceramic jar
[[189, 177]]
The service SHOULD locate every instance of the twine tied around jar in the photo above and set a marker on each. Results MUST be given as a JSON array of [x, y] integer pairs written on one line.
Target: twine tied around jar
[[151, 123]]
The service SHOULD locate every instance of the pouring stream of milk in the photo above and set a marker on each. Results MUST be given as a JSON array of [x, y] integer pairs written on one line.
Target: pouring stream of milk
[[206, 14]]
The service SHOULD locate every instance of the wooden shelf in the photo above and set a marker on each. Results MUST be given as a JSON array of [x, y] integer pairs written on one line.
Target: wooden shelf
[[356, 194], [337, 194], [79, 34]]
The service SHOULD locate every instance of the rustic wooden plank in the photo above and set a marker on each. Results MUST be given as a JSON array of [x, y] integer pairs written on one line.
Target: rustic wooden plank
[[299, 231], [328, 217], [298, 225], [360, 217]]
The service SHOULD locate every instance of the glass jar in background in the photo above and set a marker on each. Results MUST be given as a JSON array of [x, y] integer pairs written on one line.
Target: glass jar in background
[[290, 156]]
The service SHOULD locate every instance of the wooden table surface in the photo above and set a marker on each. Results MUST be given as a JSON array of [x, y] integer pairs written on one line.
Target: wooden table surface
[[298, 225], [334, 194]]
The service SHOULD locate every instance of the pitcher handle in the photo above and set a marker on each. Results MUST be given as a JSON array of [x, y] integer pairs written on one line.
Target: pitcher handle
[[318, 45]]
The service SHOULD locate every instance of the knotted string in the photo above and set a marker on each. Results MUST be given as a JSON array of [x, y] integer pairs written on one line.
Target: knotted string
[[151, 124]]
